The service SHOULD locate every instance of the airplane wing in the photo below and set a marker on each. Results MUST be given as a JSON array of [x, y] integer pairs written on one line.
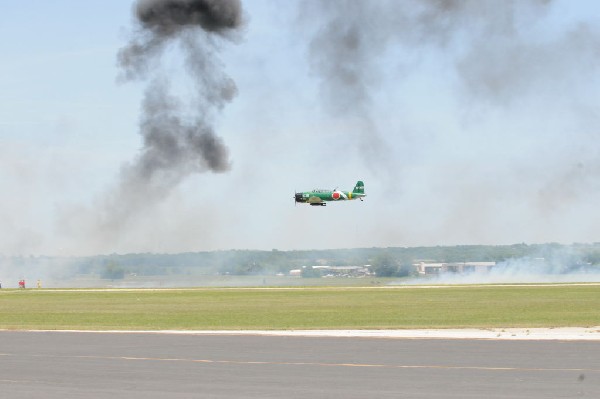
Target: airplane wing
[[314, 200]]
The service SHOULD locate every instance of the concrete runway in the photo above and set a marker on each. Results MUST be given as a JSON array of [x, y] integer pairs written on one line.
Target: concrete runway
[[136, 365]]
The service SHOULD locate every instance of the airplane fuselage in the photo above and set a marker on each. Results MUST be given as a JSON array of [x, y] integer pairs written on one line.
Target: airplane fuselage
[[319, 197]]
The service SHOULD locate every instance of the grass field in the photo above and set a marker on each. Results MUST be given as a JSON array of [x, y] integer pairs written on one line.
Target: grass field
[[302, 308]]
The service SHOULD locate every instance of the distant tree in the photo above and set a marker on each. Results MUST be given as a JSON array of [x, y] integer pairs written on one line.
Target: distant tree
[[405, 270], [593, 258], [385, 265], [310, 272], [113, 271]]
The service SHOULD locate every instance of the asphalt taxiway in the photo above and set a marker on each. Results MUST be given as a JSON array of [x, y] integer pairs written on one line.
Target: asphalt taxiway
[[143, 365]]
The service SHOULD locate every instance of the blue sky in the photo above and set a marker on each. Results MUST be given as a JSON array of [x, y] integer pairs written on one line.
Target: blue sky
[[478, 126]]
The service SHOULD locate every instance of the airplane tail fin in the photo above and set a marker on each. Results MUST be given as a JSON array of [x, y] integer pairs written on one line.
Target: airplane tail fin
[[359, 188]]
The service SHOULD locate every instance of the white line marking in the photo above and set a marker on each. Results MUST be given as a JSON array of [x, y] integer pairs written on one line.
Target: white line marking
[[531, 334]]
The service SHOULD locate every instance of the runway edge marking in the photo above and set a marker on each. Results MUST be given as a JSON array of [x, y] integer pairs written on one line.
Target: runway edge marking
[[534, 334]]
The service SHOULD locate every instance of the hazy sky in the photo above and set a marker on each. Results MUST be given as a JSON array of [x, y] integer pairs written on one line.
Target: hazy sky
[[470, 122]]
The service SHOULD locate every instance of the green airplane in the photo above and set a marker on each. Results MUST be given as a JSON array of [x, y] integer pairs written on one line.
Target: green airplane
[[320, 197]]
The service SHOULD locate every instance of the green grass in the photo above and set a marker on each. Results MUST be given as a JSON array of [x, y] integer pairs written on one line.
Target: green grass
[[306, 308]]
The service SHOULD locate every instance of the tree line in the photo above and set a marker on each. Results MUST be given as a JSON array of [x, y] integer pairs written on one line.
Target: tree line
[[385, 262]]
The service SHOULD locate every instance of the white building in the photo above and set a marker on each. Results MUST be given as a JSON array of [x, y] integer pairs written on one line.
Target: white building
[[453, 267]]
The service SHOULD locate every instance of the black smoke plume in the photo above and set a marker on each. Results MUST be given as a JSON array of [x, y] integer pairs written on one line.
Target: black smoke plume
[[176, 144], [178, 137]]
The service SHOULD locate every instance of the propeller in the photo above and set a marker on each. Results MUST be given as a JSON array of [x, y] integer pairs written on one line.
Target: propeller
[[297, 197]]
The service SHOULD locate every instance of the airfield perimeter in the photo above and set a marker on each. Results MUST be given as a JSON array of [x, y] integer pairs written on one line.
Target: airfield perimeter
[[532, 341], [500, 310]]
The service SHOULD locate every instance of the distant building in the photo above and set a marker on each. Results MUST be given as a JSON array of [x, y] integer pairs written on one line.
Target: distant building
[[336, 271], [345, 271], [425, 268]]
